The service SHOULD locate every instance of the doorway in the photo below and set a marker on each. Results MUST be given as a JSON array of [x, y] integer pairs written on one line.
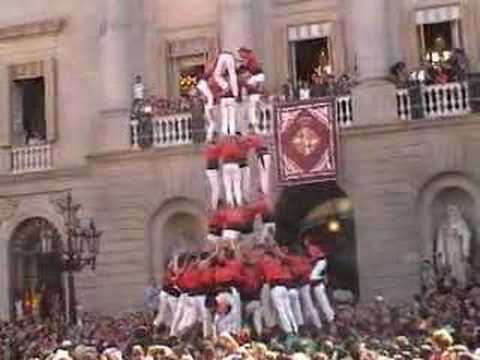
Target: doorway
[[324, 210], [36, 270]]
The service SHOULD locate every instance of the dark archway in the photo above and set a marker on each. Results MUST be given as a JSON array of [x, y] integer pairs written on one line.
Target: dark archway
[[182, 232], [36, 269], [324, 209]]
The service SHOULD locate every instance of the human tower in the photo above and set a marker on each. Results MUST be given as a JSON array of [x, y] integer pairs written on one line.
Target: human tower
[[241, 275], [236, 84]]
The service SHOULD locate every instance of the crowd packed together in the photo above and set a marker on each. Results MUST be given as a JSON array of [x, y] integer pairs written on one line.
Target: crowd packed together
[[251, 303]]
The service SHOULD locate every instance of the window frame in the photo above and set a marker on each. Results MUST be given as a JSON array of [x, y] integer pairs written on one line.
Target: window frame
[[178, 49], [44, 67], [292, 66], [309, 31], [434, 15], [456, 34]]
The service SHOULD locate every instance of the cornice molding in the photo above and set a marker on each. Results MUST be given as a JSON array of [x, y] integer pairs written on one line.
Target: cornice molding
[[43, 27], [152, 153]]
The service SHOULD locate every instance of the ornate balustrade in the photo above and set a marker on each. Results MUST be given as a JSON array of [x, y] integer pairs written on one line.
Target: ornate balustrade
[[404, 104], [176, 129], [344, 111], [164, 131], [436, 101], [31, 158]]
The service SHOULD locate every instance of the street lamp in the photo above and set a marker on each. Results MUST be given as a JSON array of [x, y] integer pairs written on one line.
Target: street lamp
[[83, 246]]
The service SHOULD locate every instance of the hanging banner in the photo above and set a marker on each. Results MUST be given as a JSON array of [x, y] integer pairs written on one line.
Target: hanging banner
[[306, 142]]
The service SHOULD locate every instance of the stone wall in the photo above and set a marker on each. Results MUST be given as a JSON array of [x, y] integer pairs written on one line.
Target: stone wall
[[392, 175]]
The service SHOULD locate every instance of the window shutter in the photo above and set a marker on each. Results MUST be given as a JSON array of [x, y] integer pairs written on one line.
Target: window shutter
[[5, 119], [50, 98]]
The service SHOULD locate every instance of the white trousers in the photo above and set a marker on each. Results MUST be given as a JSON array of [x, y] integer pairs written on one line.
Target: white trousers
[[211, 125], [309, 310], [202, 313], [253, 110], [268, 311], [232, 181], [319, 291], [246, 182], [226, 63], [232, 322], [281, 303], [166, 309], [294, 296], [264, 167], [184, 317], [214, 182], [254, 310], [190, 310], [207, 92], [228, 116], [209, 106]]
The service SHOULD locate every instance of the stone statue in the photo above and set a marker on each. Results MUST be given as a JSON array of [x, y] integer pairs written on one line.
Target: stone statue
[[453, 244]]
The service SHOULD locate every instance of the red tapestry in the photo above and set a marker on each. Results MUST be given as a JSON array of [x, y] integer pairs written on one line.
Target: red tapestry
[[306, 142]]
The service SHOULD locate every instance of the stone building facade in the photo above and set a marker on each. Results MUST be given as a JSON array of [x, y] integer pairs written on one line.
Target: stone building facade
[[398, 173]]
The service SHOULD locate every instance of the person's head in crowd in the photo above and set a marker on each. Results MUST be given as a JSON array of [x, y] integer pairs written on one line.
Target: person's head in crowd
[[137, 353], [441, 340]]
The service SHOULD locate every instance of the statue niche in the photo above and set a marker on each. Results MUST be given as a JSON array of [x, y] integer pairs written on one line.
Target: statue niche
[[453, 245]]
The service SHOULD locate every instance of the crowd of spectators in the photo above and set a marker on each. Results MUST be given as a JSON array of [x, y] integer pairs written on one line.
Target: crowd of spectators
[[455, 69], [321, 85], [441, 323]]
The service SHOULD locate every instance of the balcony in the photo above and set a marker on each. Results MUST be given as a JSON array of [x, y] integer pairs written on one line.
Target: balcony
[[167, 131], [31, 158], [434, 101], [177, 129]]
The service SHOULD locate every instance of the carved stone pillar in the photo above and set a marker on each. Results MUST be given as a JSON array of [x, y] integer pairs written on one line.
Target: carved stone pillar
[[236, 24], [112, 130], [374, 100]]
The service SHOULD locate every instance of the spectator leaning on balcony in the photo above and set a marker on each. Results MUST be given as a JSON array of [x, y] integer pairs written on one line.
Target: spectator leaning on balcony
[[460, 65], [138, 94], [319, 86], [400, 74]]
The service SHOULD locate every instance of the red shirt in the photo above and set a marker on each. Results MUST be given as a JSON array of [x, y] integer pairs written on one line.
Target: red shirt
[[274, 271], [188, 280], [237, 218], [216, 221], [257, 143], [245, 147], [206, 277], [228, 273], [232, 151], [251, 282], [301, 266], [212, 152], [263, 206]]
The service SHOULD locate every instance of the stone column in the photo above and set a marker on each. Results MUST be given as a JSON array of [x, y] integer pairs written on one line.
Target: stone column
[[112, 130], [236, 25], [374, 100]]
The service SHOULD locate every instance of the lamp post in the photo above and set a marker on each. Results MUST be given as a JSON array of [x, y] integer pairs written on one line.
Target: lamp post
[[82, 248]]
